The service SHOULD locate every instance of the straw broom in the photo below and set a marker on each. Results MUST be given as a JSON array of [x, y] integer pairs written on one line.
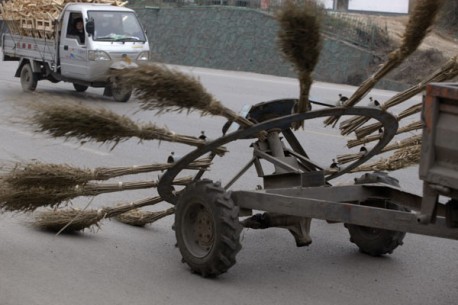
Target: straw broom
[[411, 141], [77, 220], [99, 125], [29, 199], [37, 174], [407, 128], [140, 218], [160, 88], [367, 130], [400, 159], [300, 42], [342, 159], [418, 26], [448, 71]]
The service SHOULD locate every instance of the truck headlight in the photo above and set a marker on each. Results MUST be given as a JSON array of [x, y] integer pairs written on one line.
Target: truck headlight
[[143, 56], [98, 55]]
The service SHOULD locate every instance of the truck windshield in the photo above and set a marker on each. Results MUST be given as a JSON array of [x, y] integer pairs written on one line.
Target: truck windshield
[[116, 26]]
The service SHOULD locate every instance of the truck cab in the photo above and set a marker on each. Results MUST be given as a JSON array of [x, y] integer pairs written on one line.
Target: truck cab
[[111, 35]]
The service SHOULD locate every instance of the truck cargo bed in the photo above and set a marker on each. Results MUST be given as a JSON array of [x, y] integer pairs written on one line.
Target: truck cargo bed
[[17, 46]]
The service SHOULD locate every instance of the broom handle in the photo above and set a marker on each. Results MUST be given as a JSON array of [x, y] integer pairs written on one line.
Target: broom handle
[[112, 212], [92, 189]]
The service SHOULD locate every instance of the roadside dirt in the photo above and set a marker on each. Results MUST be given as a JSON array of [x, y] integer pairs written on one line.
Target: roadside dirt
[[435, 39], [435, 50]]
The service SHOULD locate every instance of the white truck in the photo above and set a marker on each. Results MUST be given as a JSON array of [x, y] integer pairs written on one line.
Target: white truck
[[113, 39]]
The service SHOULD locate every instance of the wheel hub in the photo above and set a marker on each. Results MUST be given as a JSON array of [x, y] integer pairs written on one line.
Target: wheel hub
[[203, 229]]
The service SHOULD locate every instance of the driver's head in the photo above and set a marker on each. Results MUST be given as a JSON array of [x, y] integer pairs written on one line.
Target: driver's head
[[78, 24]]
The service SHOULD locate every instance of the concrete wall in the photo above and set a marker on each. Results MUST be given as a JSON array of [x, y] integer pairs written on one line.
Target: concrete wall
[[240, 39]]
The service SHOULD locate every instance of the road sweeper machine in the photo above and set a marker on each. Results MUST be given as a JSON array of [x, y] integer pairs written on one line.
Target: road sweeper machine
[[295, 189], [73, 42], [375, 210]]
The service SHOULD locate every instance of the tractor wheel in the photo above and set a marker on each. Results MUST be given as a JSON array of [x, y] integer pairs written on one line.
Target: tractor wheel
[[207, 228], [79, 88], [373, 241], [28, 79]]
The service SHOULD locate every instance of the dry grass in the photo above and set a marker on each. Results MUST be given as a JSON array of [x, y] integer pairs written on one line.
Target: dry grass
[[26, 200], [420, 21], [163, 89], [71, 220], [410, 127], [401, 158], [99, 125], [411, 141], [300, 41], [78, 220], [448, 71], [38, 174], [29, 199], [140, 218], [367, 130]]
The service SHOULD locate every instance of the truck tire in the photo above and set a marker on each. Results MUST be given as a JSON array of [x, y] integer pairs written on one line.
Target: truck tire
[[79, 88], [28, 79], [373, 241], [207, 228]]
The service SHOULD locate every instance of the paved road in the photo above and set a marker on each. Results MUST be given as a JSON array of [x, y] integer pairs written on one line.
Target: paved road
[[124, 265]]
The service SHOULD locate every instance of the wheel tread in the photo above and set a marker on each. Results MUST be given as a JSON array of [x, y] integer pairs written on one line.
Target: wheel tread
[[227, 239]]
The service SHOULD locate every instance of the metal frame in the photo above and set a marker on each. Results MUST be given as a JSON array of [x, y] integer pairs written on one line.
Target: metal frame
[[299, 187], [439, 147]]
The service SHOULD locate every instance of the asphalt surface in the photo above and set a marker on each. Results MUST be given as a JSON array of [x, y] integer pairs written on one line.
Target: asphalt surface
[[119, 264]]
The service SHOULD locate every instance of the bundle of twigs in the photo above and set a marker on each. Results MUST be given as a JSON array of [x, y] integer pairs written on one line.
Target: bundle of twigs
[[300, 42], [411, 141], [400, 159], [418, 26], [367, 130], [99, 125], [164, 89], [29, 199], [77, 220], [448, 71], [410, 127], [140, 218], [342, 159], [37, 174], [414, 140]]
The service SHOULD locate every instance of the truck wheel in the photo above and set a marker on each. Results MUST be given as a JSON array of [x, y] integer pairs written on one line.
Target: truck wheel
[[207, 228], [79, 88], [28, 79], [120, 93], [373, 241]]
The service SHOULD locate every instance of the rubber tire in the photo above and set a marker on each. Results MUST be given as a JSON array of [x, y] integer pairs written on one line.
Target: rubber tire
[[28, 79], [373, 241], [79, 88], [210, 199]]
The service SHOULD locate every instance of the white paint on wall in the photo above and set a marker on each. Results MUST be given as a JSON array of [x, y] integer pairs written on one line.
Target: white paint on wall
[[388, 6]]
